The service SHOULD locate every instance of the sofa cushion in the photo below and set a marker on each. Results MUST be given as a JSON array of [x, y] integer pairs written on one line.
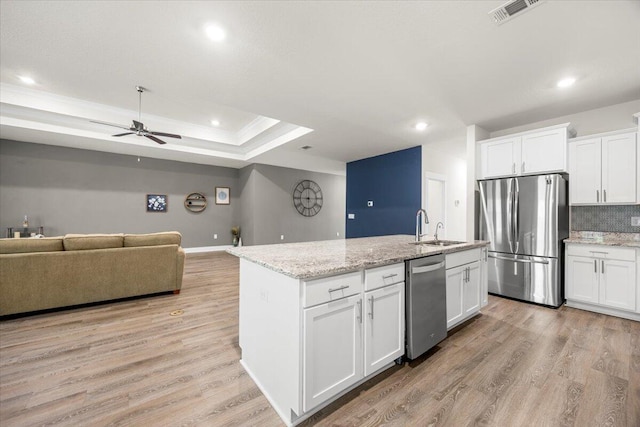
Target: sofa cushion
[[79, 242], [19, 246], [153, 239]]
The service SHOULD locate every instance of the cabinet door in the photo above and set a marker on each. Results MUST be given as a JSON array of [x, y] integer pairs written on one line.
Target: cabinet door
[[618, 284], [454, 295], [471, 289], [484, 278], [383, 327], [585, 170], [332, 350], [582, 279], [618, 169], [499, 158], [544, 152]]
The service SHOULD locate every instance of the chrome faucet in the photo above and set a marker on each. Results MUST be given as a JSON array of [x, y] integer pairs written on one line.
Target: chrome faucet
[[419, 234], [438, 225]]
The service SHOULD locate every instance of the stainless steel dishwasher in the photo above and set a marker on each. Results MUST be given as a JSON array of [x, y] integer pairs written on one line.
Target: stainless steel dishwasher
[[426, 304]]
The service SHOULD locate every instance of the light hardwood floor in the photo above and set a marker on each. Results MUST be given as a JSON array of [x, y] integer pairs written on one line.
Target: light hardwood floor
[[132, 363]]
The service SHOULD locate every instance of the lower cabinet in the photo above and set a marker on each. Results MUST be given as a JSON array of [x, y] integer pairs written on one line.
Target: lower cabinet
[[348, 339], [602, 279], [484, 277], [463, 286], [332, 349], [383, 327]]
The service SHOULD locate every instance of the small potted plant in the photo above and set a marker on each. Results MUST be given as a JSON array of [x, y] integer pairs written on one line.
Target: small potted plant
[[235, 232]]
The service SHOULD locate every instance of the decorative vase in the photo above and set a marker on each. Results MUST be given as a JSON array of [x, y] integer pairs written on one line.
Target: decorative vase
[[235, 240]]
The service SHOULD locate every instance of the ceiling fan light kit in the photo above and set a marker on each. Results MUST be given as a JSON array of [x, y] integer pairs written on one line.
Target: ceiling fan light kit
[[137, 127]]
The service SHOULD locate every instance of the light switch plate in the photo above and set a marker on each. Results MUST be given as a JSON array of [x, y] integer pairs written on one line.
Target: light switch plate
[[635, 221], [351, 216]]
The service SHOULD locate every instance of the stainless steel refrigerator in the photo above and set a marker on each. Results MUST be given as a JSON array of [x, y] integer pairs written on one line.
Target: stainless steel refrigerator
[[525, 219]]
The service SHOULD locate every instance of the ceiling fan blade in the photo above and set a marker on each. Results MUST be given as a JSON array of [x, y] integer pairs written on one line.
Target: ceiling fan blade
[[170, 135], [123, 134], [153, 138], [111, 124]]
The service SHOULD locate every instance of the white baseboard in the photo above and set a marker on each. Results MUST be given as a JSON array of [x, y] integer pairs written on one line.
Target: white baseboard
[[207, 249]]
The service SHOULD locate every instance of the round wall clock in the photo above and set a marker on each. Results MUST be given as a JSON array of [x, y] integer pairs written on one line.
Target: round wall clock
[[307, 198]]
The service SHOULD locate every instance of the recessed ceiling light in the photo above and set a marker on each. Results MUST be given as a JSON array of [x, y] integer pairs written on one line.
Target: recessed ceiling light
[[566, 82], [215, 122], [215, 33], [421, 125], [27, 80]]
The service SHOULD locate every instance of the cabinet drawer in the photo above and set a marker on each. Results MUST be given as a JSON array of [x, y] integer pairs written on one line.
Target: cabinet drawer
[[375, 278], [331, 288], [460, 258], [602, 251]]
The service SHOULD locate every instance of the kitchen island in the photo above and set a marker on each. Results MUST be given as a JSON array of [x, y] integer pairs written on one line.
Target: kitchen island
[[319, 318]]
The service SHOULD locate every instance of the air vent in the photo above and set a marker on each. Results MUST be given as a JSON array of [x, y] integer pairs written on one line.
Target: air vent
[[508, 10]]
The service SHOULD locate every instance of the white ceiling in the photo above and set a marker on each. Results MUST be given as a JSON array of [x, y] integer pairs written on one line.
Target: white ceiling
[[359, 74]]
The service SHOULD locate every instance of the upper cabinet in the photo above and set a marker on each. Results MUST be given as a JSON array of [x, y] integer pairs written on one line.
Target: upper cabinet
[[602, 169], [526, 153]]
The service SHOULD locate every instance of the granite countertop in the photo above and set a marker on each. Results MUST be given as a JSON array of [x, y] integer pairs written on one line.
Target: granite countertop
[[630, 240], [328, 257]]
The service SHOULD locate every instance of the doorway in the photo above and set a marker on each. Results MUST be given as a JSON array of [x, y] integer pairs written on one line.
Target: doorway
[[434, 198]]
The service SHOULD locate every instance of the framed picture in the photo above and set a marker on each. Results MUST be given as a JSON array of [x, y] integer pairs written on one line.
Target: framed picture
[[156, 202], [223, 196]]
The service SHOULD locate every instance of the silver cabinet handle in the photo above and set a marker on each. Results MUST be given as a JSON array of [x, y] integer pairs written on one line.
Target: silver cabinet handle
[[513, 168], [602, 270], [595, 265], [360, 310], [597, 196], [604, 196], [371, 302], [389, 276], [338, 289], [599, 252], [523, 167]]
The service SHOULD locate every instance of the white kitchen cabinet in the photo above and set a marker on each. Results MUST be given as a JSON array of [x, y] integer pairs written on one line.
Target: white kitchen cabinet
[[463, 282], [602, 279], [534, 152], [499, 158], [484, 277], [332, 349], [351, 337], [603, 169], [384, 325]]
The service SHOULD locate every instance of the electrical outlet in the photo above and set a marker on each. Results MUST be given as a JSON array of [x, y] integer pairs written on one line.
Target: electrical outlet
[[215, 236], [282, 237], [338, 234], [370, 203], [351, 216], [635, 221]]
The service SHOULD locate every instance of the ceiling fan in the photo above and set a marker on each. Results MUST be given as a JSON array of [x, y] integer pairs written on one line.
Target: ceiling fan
[[137, 127]]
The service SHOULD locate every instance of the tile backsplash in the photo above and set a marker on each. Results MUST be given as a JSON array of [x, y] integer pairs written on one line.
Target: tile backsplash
[[604, 218]]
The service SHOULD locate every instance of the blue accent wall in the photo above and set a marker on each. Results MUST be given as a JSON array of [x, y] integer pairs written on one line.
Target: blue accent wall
[[393, 182]]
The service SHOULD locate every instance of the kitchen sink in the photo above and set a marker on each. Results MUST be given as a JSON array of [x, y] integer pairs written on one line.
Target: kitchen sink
[[438, 242]]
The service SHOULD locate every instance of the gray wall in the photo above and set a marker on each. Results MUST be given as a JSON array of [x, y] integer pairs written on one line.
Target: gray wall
[[268, 211], [79, 191], [615, 219]]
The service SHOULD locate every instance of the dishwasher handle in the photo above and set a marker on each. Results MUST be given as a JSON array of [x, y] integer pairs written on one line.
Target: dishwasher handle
[[427, 268]]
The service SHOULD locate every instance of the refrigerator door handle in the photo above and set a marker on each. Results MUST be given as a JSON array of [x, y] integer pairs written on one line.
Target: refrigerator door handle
[[510, 213], [525, 261], [516, 207]]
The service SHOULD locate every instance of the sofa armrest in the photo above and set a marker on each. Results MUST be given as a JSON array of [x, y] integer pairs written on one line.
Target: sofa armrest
[[179, 267]]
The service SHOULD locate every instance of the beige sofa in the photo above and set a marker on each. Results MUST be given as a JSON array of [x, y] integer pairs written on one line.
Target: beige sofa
[[39, 274]]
